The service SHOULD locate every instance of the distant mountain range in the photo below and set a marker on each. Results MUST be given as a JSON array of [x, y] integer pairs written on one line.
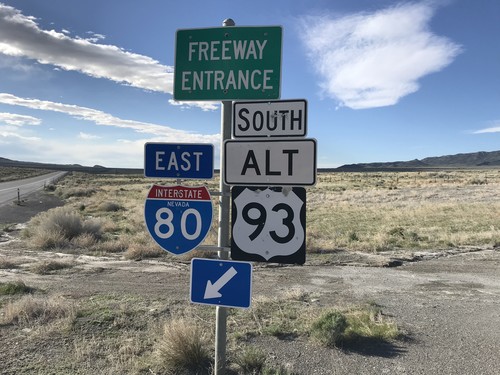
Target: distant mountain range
[[67, 167], [470, 160]]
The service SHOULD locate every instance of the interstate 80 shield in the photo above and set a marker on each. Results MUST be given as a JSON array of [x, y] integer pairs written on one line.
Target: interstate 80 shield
[[178, 218]]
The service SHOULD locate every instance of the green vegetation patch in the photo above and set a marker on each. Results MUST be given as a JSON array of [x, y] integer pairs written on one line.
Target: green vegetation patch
[[108, 315], [337, 327], [14, 287]]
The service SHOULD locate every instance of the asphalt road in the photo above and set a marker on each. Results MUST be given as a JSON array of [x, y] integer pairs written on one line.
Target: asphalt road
[[9, 190]]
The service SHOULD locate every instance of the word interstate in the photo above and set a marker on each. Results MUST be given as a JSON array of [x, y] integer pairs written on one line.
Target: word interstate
[[176, 193]]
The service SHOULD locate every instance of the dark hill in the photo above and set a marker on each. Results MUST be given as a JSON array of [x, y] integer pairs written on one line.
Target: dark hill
[[470, 160], [67, 167], [466, 160]]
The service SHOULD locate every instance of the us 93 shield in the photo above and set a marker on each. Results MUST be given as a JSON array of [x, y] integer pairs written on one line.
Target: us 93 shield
[[268, 224]]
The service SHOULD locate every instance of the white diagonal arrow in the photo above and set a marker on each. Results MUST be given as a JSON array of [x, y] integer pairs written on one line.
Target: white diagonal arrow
[[212, 290]]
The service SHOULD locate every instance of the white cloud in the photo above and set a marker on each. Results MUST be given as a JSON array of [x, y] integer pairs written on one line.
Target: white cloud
[[18, 120], [13, 135], [369, 60], [206, 106], [105, 119], [21, 36], [494, 129], [123, 153], [87, 136], [119, 154]]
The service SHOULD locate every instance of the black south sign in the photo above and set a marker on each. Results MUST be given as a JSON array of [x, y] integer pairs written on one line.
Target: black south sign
[[272, 118]]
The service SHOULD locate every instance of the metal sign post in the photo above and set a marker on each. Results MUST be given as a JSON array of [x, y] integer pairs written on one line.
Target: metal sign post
[[223, 236], [225, 63]]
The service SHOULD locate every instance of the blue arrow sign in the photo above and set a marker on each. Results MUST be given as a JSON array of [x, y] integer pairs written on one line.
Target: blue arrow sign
[[221, 282], [179, 160]]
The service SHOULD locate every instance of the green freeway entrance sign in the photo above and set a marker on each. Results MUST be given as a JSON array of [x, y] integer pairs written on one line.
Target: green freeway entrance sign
[[228, 63]]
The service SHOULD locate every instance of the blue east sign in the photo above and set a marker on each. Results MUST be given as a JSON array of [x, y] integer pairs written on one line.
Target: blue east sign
[[179, 160]]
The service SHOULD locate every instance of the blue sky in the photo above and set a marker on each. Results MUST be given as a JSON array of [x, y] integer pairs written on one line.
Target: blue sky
[[90, 82]]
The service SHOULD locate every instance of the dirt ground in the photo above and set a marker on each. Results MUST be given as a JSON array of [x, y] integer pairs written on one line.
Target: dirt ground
[[447, 304]]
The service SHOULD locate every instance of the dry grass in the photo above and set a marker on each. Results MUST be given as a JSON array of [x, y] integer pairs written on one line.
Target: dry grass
[[50, 266], [61, 227], [369, 212], [184, 349], [118, 333], [109, 206], [29, 310], [138, 251], [14, 173], [6, 264], [404, 211]]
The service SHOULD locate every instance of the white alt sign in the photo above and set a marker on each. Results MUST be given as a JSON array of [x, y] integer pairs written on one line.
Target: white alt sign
[[270, 162], [274, 118]]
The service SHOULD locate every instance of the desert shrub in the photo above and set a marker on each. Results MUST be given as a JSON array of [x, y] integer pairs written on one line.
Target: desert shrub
[[251, 360], [138, 251], [183, 348], [367, 322], [84, 241], [50, 187], [370, 322], [30, 310], [92, 227], [110, 207], [14, 287], [47, 267], [58, 227], [62, 220], [75, 192], [6, 264], [49, 239], [118, 245], [478, 181], [329, 328]]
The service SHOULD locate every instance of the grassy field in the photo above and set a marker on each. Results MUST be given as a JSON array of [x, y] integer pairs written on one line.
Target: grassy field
[[368, 212], [405, 211], [113, 333], [12, 173]]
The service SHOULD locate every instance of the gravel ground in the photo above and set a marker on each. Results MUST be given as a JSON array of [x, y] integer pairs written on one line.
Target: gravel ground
[[31, 205], [448, 306]]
